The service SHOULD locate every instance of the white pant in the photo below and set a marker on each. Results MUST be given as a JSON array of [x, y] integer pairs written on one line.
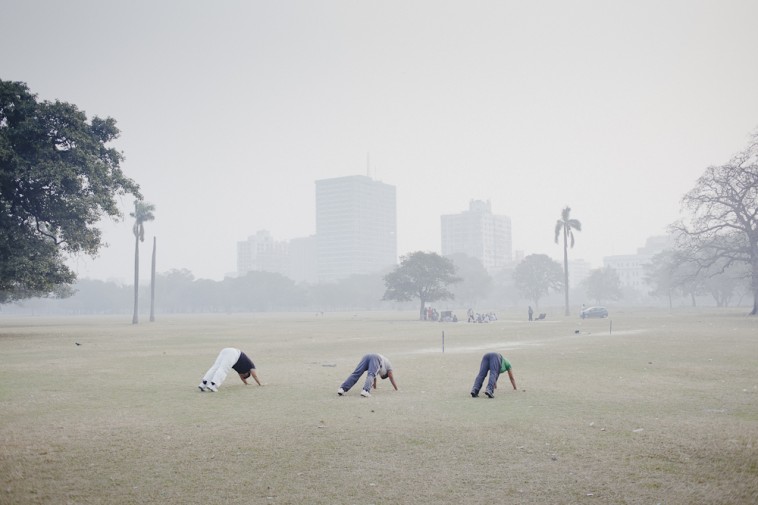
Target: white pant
[[226, 358]]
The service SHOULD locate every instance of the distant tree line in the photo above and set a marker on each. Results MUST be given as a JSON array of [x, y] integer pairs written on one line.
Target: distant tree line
[[536, 280], [674, 274]]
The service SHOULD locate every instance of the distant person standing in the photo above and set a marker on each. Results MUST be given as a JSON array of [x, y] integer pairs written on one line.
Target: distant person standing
[[228, 359], [531, 313], [494, 364], [374, 364]]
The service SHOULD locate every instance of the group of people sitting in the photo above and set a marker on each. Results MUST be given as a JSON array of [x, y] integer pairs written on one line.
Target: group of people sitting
[[481, 318]]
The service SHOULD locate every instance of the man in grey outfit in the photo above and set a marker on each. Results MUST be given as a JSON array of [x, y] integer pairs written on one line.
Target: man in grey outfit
[[374, 364]]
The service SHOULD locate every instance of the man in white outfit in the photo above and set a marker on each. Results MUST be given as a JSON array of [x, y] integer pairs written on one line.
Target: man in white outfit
[[228, 359]]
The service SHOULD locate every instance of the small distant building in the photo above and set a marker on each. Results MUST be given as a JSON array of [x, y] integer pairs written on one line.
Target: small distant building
[[261, 253], [631, 267], [480, 234]]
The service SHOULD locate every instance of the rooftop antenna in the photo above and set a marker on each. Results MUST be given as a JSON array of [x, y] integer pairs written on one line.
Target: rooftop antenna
[[368, 164]]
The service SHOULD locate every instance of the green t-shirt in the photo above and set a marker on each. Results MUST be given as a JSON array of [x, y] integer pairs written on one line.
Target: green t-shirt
[[505, 365]]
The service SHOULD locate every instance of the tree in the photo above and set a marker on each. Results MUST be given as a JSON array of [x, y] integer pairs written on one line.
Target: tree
[[661, 274], [536, 276], [152, 283], [262, 291], [476, 282], [722, 222], [421, 275], [603, 284], [565, 226], [174, 291], [360, 291], [504, 288], [143, 212], [58, 178], [672, 272], [726, 283]]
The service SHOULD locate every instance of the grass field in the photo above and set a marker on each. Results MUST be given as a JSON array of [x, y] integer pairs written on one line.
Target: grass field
[[642, 408]]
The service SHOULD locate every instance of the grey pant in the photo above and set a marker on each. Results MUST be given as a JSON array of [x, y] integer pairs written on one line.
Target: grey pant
[[370, 363], [490, 363]]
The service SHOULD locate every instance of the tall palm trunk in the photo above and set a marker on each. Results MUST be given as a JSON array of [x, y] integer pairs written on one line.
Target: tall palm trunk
[[142, 212], [135, 316], [566, 268], [152, 285], [565, 225]]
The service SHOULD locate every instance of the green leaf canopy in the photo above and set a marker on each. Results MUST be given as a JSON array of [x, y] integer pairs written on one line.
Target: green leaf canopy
[[57, 180]]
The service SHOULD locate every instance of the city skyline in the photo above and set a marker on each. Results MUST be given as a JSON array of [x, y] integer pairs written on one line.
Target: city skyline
[[229, 111], [296, 257]]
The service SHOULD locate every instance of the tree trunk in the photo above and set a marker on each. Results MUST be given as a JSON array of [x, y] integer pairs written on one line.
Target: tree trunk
[[754, 312], [566, 269], [135, 316], [421, 310], [152, 285]]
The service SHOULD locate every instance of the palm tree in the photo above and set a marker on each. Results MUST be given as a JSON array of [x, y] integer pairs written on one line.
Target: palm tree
[[152, 285], [143, 212], [566, 225]]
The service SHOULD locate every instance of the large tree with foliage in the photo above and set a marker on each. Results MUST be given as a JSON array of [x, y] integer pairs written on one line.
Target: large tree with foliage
[[143, 212], [721, 226], [58, 178], [565, 227], [421, 275], [536, 276], [476, 282], [603, 284]]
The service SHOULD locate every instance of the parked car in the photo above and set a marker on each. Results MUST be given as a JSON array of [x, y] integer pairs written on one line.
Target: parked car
[[594, 312]]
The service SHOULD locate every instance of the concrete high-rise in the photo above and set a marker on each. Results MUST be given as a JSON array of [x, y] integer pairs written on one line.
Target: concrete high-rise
[[356, 227], [479, 234]]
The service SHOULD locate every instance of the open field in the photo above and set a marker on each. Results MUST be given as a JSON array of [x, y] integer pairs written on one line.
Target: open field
[[662, 409]]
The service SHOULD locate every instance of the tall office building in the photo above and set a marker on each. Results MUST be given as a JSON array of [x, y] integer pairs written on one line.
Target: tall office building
[[356, 227], [480, 234]]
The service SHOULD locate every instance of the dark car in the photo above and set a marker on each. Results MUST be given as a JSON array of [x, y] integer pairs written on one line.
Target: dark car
[[594, 312]]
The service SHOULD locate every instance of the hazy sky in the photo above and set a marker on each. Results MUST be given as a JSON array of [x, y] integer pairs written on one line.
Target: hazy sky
[[230, 110]]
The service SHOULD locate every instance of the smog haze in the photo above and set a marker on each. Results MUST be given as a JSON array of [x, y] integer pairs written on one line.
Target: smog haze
[[230, 111]]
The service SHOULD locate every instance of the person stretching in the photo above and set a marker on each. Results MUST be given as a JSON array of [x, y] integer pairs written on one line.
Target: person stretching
[[494, 364], [229, 358], [374, 364]]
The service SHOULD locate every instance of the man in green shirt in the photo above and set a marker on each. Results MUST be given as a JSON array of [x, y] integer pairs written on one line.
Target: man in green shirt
[[494, 364]]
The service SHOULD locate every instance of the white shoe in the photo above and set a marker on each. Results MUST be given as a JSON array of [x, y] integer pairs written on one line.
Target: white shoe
[[340, 391], [201, 387], [365, 393], [212, 387]]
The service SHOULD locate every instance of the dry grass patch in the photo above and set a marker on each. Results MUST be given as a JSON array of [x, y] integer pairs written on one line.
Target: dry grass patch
[[663, 409]]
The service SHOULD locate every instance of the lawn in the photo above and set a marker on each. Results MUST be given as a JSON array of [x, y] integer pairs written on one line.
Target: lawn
[[645, 407]]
